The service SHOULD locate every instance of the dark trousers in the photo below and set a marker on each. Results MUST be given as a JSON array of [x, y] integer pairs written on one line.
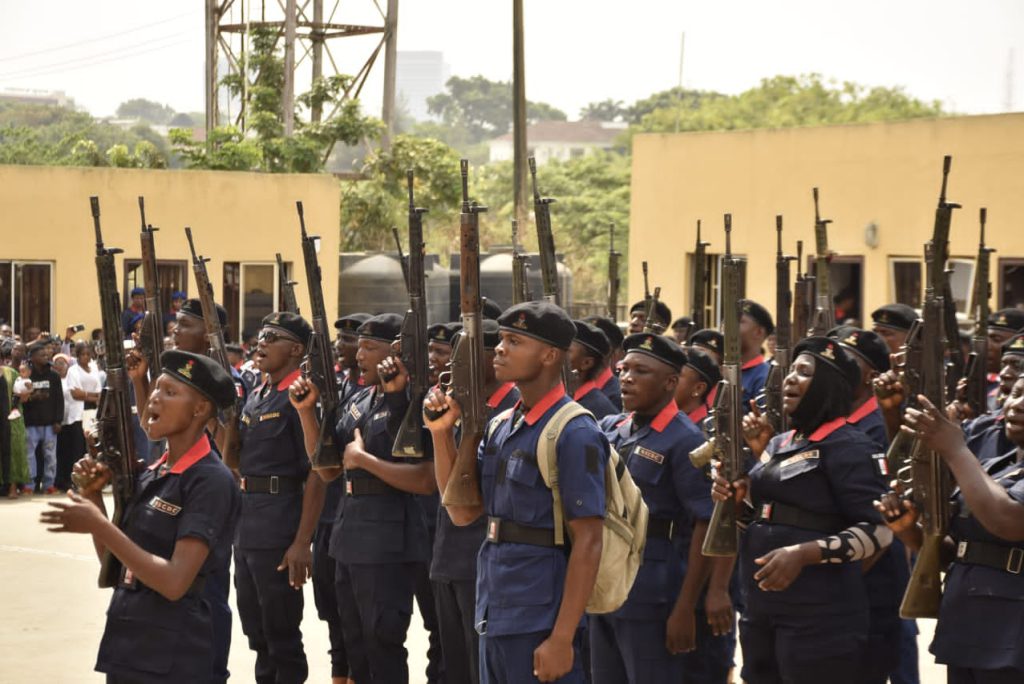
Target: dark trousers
[[424, 593], [70, 448], [907, 672], [456, 606], [631, 651], [800, 649], [271, 615], [509, 659], [216, 592], [970, 675], [375, 602], [326, 599], [714, 657]]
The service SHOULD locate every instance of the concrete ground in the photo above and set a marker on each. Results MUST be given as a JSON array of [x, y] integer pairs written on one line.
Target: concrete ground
[[53, 614]]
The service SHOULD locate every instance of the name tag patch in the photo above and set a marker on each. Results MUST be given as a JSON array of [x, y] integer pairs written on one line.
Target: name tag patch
[[164, 506], [650, 455], [379, 415], [270, 416], [799, 458], [354, 412]]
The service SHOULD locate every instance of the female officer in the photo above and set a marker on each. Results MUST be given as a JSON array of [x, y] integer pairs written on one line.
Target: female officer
[[812, 522], [979, 628], [178, 527]]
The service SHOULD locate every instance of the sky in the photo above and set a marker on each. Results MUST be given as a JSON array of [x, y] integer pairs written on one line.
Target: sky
[[968, 54]]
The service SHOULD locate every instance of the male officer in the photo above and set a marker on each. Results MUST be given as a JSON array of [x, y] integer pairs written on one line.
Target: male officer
[[892, 322], [638, 316], [345, 350], [439, 347], [681, 329], [755, 326], [642, 641], [281, 501], [530, 594], [586, 356], [136, 307], [1002, 325], [607, 379], [380, 537]]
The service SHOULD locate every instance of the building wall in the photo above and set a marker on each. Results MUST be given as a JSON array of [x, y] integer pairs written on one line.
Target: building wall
[[888, 174], [245, 217], [543, 152]]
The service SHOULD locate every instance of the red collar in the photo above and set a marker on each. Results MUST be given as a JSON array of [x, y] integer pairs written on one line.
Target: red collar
[[698, 414], [823, 431], [711, 397], [198, 450], [603, 377], [992, 377], [549, 400], [756, 361], [665, 416], [865, 409], [583, 390], [286, 383], [499, 395]]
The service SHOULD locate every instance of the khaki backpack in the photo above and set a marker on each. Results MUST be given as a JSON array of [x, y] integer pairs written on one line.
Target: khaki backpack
[[625, 518]]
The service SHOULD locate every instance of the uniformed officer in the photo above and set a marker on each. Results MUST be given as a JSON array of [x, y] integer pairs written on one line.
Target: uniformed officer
[[281, 503], [755, 326], [1002, 325], [638, 316], [530, 594], [813, 522], [607, 378], [345, 349], [699, 377], [871, 354], [710, 342], [453, 564], [892, 322], [586, 356], [380, 536], [176, 530], [439, 347], [681, 329], [643, 640], [977, 635], [986, 434]]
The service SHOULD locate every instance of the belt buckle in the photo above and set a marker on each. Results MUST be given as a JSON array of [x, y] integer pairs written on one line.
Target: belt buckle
[[348, 487], [493, 527], [1015, 562], [766, 511], [961, 550], [275, 484], [241, 484]]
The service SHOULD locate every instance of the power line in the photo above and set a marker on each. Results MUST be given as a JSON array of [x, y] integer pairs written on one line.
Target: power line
[[96, 39], [34, 71], [100, 61]]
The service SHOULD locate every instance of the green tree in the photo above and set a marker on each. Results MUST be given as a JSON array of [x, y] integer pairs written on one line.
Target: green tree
[[605, 110], [146, 110]]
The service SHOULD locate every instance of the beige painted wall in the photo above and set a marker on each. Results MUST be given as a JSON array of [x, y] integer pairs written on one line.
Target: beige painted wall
[[886, 173], [246, 217]]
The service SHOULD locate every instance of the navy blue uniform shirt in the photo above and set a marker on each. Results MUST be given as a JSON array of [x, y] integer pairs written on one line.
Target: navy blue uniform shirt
[[519, 586], [753, 375], [868, 419], [591, 398], [986, 436], [609, 384]]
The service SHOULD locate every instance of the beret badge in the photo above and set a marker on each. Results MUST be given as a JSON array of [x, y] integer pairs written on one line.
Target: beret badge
[[521, 321], [186, 370]]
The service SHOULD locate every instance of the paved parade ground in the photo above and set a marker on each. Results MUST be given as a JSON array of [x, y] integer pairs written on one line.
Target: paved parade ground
[[54, 614]]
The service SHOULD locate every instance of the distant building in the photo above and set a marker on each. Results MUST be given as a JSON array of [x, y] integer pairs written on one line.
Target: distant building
[[54, 98], [419, 75], [562, 140]]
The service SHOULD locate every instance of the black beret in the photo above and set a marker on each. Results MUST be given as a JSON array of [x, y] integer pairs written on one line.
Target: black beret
[[684, 322], [541, 320], [610, 329], [662, 313], [443, 333], [351, 323], [491, 336], [711, 339], [864, 343], [592, 339], [831, 352], [759, 314], [384, 327], [489, 309], [657, 347], [1007, 319], [202, 374], [1015, 346], [292, 323], [895, 316], [193, 307], [704, 365], [37, 346], [236, 348]]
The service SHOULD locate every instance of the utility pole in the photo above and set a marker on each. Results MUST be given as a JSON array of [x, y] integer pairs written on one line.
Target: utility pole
[[212, 21], [390, 58], [316, 39], [519, 144], [288, 96]]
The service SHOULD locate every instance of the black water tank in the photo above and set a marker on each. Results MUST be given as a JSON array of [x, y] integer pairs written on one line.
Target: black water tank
[[373, 283], [496, 279]]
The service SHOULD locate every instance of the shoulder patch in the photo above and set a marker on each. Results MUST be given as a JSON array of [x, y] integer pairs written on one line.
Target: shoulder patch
[[164, 506], [649, 454]]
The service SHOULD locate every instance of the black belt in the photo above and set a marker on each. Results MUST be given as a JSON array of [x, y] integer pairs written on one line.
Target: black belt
[[1005, 558], [369, 486], [503, 531], [130, 582], [272, 484], [784, 514], [660, 528]]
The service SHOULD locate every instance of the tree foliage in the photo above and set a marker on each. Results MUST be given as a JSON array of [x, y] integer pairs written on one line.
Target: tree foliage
[[146, 110]]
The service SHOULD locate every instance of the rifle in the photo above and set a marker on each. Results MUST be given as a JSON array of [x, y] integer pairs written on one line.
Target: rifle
[[726, 446], [613, 275], [700, 282], [231, 448], [977, 371], [318, 365], [803, 295], [824, 313], [647, 289], [548, 265], [413, 338], [649, 325], [783, 337], [929, 478], [402, 258], [114, 412], [287, 287], [151, 337], [954, 359], [520, 269], [465, 379]]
